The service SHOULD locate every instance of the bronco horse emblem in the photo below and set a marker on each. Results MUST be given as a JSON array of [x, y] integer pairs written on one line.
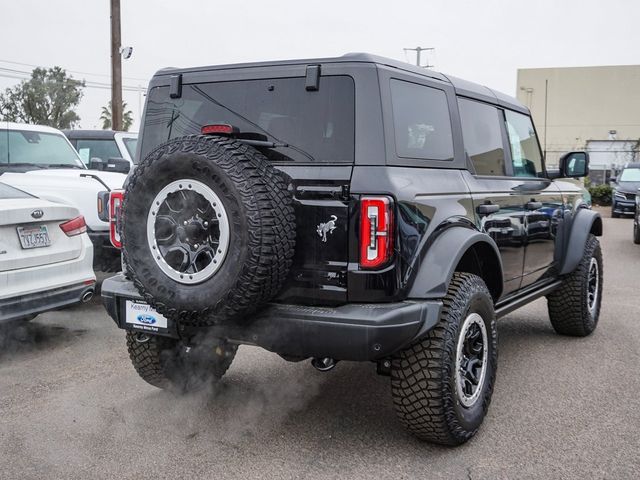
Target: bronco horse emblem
[[328, 227]]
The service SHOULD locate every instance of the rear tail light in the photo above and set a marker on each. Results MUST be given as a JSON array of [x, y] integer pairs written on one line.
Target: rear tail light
[[218, 129], [115, 203], [74, 227], [376, 231]]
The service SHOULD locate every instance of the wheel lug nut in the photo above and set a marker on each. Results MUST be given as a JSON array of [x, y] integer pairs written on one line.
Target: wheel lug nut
[[185, 222]]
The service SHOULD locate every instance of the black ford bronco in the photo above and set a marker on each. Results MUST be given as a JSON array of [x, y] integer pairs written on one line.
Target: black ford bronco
[[353, 208]]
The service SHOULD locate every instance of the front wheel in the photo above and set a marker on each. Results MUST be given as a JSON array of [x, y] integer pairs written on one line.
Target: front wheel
[[442, 385], [614, 214], [171, 365], [574, 308]]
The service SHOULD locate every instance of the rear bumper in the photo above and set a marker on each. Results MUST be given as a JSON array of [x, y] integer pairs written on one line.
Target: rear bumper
[[39, 302], [348, 332]]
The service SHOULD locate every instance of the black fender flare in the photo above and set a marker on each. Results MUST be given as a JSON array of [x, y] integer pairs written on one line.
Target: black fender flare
[[444, 255], [585, 221]]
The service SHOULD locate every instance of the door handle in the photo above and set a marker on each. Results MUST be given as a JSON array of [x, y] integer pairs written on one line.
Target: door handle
[[533, 205], [487, 209]]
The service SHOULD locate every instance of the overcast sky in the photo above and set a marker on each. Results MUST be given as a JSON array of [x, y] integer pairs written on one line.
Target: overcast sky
[[483, 41]]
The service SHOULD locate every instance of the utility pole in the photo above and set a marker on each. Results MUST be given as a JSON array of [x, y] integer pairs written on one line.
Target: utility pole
[[116, 68], [418, 51]]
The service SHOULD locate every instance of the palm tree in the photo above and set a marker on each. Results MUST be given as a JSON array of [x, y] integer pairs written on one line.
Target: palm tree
[[127, 117]]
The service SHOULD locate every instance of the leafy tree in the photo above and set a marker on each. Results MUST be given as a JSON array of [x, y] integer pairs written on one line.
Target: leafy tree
[[127, 117], [49, 97]]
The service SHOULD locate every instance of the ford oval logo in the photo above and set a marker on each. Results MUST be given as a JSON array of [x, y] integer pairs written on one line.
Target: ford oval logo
[[147, 319], [37, 213]]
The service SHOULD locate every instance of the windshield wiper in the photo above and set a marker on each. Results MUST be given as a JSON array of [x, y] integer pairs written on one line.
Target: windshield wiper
[[276, 144], [63, 165], [21, 164]]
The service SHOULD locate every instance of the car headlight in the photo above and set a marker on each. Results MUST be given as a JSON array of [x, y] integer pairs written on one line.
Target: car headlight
[[619, 195]]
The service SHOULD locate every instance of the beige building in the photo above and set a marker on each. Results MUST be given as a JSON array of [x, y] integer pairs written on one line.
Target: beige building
[[586, 107]]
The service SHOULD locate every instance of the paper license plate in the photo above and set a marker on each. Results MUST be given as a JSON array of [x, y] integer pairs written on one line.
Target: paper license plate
[[142, 315], [34, 237]]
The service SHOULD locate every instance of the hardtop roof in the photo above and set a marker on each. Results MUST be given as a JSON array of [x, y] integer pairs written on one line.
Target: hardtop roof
[[462, 87]]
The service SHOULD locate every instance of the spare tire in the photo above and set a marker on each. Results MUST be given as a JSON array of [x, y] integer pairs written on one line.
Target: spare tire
[[208, 229]]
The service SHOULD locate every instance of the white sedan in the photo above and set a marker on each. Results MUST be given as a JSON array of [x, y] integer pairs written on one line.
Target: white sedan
[[45, 256]]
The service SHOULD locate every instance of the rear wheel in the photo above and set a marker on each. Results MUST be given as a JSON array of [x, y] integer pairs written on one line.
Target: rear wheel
[[169, 364], [574, 308], [442, 385]]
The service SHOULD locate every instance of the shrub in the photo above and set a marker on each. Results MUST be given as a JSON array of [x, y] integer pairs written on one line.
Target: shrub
[[601, 194]]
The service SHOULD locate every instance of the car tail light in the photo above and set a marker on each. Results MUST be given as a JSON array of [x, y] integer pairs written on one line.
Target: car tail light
[[74, 227], [115, 203], [376, 231], [218, 129]]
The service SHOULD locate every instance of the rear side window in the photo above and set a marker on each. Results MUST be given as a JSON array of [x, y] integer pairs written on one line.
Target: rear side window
[[421, 121], [317, 126], [7, 192], [482, 136], [525, 149], [102, 149]]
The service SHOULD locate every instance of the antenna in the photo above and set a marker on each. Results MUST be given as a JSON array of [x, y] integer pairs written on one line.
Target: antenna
[[418, 51]]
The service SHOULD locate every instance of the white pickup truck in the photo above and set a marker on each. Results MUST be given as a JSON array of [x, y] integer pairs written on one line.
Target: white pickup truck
[[41, 161]]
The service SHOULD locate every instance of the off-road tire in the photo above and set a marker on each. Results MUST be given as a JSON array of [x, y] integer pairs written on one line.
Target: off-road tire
[[423, 375], [262, 229], [168, 364], [568, 305], [636, 233]]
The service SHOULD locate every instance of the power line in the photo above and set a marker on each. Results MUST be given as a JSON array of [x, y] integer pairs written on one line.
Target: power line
[[71, 71], [22, 75]]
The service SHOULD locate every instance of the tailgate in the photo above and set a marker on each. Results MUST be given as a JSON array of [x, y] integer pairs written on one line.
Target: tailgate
[[321, 200], [43, 242]]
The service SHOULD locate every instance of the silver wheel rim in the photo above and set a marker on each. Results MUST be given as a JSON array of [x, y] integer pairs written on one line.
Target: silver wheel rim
[[471, 359], [593, 284], [188, 231]]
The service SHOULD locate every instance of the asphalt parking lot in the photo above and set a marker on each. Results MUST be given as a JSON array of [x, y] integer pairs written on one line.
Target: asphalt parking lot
[[71, 405]]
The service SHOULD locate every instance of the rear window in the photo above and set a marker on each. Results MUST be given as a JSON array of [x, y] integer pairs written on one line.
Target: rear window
[[317, 125], [421, 121], [7, 192], [131, 144]]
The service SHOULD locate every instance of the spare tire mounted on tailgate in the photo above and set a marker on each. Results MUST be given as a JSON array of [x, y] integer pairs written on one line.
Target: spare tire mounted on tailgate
[[208, 228]]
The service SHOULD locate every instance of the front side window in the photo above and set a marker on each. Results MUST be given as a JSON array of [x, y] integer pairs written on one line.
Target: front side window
[[421, 121], [316, 126], [482, 136], [102, 149], [525, 150], [41, 149]]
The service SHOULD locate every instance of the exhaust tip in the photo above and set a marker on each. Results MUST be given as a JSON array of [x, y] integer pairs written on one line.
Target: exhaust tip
[[87, 296], [323, 364]]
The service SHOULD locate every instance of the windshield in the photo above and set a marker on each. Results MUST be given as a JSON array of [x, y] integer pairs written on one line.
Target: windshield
[[131, 144], [630, 175], [316, 125], [37, 148]]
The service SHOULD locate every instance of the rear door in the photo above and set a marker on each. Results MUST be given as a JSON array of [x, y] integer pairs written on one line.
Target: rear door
[[305, 128], [497, 196]]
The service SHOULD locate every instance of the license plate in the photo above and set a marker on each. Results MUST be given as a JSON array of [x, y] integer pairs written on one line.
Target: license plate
[[142, 316], [34, 237]]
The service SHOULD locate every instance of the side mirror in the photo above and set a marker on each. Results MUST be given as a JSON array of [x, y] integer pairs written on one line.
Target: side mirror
[[96, 164], [119, 165], [574, 165]]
